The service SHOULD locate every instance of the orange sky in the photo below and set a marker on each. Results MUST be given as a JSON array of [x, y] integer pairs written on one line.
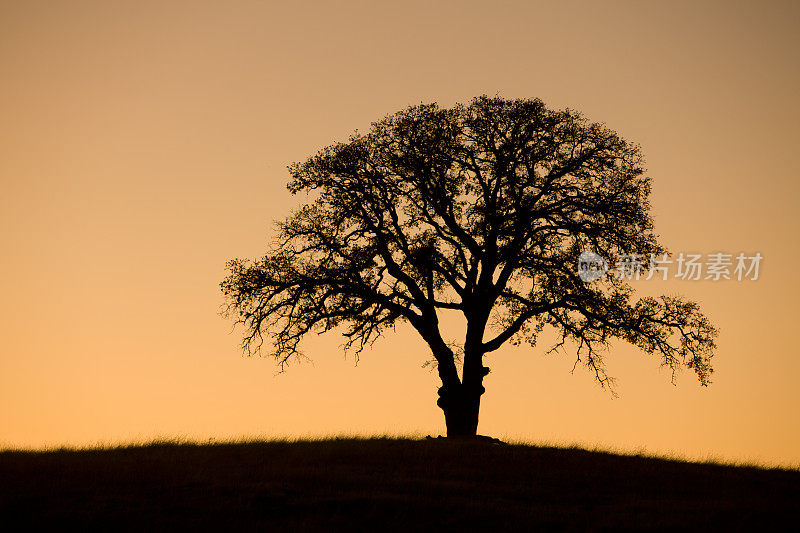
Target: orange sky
[[142, 144]]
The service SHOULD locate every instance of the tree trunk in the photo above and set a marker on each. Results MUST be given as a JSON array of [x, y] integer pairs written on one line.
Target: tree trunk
[[461, 408], [460, 400], [462, 404]]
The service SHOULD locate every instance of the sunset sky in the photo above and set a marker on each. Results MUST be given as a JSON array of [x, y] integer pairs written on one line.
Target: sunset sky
[[143, 144]]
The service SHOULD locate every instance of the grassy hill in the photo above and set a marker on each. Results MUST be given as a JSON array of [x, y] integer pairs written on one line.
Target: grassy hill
[[386, 484]]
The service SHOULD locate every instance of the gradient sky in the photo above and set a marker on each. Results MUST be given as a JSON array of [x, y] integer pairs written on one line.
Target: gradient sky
[[143, 144]]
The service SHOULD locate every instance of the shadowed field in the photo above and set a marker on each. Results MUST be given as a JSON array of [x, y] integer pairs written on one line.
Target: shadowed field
[[386, 484]]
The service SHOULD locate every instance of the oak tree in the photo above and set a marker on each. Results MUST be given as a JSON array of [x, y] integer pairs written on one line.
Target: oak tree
[[480, 209]]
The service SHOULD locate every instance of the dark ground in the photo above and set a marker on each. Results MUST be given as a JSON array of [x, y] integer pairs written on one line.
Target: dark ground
[[386, 484]]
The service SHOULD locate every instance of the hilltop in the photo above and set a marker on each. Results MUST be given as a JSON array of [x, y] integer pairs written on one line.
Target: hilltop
[[385, 484]]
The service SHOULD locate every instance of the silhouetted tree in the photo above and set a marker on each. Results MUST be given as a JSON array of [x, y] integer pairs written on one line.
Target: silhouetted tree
[[481, 209]]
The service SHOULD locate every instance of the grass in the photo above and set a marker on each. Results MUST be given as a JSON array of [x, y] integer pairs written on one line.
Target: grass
[[385, 484]]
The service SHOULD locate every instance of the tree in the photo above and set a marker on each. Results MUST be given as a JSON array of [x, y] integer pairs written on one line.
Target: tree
[[481, 209]]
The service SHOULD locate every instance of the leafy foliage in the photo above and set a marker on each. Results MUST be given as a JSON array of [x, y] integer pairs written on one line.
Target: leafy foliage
[[482, 208]]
